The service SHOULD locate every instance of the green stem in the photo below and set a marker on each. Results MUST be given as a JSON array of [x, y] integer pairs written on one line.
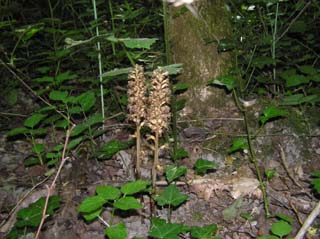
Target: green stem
[[113, 26], [274, 39]]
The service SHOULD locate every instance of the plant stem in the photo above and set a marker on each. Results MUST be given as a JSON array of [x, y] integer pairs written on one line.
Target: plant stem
[[155, 162], [138, 144]]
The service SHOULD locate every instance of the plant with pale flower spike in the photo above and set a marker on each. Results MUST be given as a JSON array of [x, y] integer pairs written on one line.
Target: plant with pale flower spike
[[137, 107], [158, 113]]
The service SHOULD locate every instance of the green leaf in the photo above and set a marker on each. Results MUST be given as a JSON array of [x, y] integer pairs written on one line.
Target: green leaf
[[271, 112], [139, 43], [179, 104], [202, 166], [66, 75], [270, 173], [31, 216], [171, 196], [308, 69], [292, 99], [284, 217], [17, 131], [316, 184], [296, 80], [281, 228], [111, 148], [75, 110], [108, 192], [134, 187], [36, 132], [180, 153], [91, 204], [173, 172], [228, 81], [73, 143], [268, 237], [118, 231], [87, 100], [180, 87], [127, 203], [162, 230], [232, 211], [173, 69], [316, 174], [262, 61], [204, 232], [92, 215], [79, 129], [33, 120], [58, 95], [31, 161], [38, 148], [116, 72]]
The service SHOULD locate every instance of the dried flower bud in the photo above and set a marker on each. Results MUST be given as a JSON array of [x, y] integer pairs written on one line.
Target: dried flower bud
[[137, 95]]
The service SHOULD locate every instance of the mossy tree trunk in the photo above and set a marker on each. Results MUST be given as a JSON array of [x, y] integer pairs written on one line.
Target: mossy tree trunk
[[193, 42]]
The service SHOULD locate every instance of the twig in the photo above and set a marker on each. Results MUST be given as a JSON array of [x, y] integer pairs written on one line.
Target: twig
[[307, 223], [53, 184], [285, 165]]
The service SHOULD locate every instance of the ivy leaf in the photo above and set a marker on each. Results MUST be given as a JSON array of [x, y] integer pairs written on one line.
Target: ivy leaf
[[134, 187], [108, 192], [173, 172], [228, 81], [238, 144], [31, 216], [33, 120], [281, 228], [171, 196], [202, 166], [205, 232], [127, 203], [118, 231], [91, 204], [162, 230], [272, 112]]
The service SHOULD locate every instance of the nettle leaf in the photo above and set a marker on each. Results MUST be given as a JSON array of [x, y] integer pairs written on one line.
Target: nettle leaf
[[296, 80], [66, 75], [180, 153], [111, 148], [116, 72], [127, 203], [118, 231], [108, 192], [87, 100], [92, 215], [58, 95], [33, 120], [162, 230], [73, 143], [173, 172], [31, 216], [17, 131], [308, 69], [271, 112], [204, 232], [173, 69], [238, 144], [140, 43], [92, 120], [91, 204], [171, 196], [202, 166], [38, 148], [228, 81], [281, 228], [180, 87], [134, 187]]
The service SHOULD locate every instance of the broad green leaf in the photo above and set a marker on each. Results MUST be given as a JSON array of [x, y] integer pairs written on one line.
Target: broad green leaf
[[111, 148], [308, 69], [139, 43], [38, 148], [292, 99], [180, 153], [117, 72], [58, 95], [179, 105], [92, 215], [87, 100], [51, 119], [173, 172], [31, 216], [296, 80], [316, 174], [127, 203], [316, 180], [66, 75], [173, 69], [37, 132], [238, 144], [94, 119], [79, 129], [134, 187], [108, 192], [262, 61], [44, 79], [284, 217], [75, 110], [91, 204], [30, 161], [228, 81], [281, 228], [162, 230], [270, 173], [171, 196], [73, 143], [268, 237], [34, 120], [202, 166], [271, 112], [118, 231], [205, 232], [180, 87], [17, 131]]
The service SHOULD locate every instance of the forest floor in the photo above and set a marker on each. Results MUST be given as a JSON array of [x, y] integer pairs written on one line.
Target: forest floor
[[222, 196]]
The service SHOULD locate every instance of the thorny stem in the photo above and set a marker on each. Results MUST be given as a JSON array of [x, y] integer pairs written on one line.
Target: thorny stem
[[252, 155]]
